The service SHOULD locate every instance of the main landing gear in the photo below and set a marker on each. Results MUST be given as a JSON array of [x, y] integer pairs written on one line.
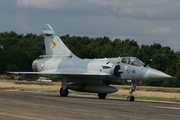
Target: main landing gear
[[64, 90], [132, 89], [103, 95]]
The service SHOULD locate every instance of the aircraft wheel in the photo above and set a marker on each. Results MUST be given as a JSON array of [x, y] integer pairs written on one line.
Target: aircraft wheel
[[63, 93], [130, 98], [102, 95]]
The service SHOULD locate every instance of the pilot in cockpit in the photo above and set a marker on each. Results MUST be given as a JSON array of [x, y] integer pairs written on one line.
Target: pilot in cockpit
[[132, 61]]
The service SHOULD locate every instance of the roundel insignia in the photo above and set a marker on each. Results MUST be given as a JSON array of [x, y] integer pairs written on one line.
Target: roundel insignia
[[42, 65]]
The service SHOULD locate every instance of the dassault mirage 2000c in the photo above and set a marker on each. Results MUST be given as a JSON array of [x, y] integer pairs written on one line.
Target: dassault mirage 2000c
[[89, 75]]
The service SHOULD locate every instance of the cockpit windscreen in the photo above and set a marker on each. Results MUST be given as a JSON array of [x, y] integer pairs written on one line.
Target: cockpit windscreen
[[132, 61]]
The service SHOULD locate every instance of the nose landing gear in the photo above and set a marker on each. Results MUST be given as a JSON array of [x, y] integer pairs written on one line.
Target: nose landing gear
[[132, 89]]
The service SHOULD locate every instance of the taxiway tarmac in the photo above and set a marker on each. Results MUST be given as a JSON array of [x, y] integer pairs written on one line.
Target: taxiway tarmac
[[16, 105]]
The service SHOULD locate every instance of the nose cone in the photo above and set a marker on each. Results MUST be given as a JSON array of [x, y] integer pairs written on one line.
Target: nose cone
[[157, 75]]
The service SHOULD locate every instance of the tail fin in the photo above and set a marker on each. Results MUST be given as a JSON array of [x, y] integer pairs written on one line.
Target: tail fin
[[53, 44]]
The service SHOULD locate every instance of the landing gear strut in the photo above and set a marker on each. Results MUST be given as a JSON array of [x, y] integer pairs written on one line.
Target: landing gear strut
[[132, 89], [64, 90]]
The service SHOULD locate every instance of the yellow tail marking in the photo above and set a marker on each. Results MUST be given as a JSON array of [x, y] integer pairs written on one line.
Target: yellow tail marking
[[53, 44]]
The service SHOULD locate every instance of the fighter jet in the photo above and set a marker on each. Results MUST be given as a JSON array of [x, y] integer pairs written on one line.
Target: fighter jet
[[89, 75]]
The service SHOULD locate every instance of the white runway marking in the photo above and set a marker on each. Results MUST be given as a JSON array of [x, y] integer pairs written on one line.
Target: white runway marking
[[172, 108]]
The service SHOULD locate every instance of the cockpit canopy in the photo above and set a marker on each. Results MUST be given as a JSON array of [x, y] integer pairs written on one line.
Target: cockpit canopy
[[132, 61]]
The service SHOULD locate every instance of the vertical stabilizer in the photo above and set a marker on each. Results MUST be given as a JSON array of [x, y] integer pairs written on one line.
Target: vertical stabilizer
[[53, 44]]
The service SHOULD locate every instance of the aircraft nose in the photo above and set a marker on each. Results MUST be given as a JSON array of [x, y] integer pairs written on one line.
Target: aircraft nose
[[156, 74]]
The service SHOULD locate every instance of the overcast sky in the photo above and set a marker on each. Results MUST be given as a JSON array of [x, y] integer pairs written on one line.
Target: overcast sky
[[145, 21]]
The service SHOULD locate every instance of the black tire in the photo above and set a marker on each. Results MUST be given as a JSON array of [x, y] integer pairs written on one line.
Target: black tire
[[102, 95], [63, 93], [130, 98]]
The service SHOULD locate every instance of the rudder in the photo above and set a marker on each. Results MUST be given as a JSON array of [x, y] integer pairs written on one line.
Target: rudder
[[53, 44]]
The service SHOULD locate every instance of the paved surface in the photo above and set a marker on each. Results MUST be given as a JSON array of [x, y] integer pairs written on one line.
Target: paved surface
[[16, 105]]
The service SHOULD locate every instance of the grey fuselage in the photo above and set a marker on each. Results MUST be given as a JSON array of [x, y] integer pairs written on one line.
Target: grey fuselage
[[103, 68]]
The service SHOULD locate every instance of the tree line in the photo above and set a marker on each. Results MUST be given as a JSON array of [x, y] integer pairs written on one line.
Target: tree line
[[17, 52]]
